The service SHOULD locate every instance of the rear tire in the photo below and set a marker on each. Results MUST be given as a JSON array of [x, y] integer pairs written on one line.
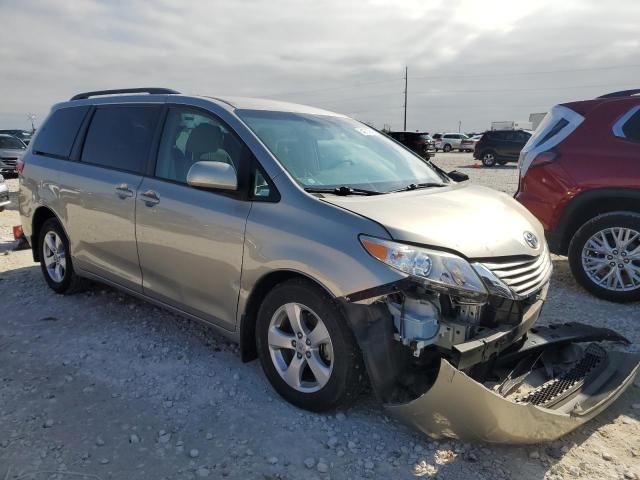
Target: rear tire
[[446, 148], [331, 373], [55, 259], [604, 256], [488, 158]]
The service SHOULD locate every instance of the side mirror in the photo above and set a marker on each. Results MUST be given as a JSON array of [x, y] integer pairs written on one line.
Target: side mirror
[[457, 176], [216, 175]]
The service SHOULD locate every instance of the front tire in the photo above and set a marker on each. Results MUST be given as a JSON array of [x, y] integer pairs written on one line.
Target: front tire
[[306, 349], [55, 259], [604, 255]]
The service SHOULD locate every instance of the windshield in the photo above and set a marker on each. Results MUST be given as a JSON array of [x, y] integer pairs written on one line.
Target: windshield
[[11, 143], [322, 151]]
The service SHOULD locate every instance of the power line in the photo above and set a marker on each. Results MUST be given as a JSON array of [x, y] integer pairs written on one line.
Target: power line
[[355, 85], [539, 72], [500, 90], [451, 76]]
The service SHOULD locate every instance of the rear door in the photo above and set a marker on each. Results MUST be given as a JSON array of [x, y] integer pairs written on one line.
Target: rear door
[[99, 192], [190, 240], [500, 143]]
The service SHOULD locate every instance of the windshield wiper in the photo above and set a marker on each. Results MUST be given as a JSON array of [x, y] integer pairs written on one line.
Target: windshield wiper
[[343, 191], [416, 186]]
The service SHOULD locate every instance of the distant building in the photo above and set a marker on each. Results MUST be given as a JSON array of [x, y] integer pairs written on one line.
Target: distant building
[[535, 119], [511, 125]]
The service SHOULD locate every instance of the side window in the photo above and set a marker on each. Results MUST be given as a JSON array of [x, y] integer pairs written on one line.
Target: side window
[[120, 137], [57, 135], [191, 136], [631, 128]]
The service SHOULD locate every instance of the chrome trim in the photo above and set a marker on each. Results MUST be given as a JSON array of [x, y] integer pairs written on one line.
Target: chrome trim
[[521, 277]]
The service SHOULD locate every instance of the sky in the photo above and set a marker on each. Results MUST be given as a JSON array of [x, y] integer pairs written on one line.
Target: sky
[[469, 62]]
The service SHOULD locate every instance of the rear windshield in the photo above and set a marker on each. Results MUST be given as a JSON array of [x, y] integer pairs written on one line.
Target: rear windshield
[[57, 135], [11, 143]]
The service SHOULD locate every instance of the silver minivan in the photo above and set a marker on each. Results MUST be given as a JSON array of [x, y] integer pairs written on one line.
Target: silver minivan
[[327, 250]]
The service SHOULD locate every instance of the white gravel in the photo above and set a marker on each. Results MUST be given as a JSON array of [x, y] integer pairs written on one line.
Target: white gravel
[[126, 390]]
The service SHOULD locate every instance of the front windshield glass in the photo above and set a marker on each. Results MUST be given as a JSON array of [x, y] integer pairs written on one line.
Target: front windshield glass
[[11, 143], [322, 151]]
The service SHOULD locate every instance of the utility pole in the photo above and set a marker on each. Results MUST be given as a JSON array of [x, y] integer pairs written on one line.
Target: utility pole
[[459, 125], [405, 98]]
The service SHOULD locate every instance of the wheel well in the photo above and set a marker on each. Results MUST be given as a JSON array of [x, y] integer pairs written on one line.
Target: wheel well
[[41, 215], [587, 209], [249, 317]]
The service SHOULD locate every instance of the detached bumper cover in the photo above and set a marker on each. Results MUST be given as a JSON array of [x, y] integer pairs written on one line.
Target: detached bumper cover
[[458, 407]]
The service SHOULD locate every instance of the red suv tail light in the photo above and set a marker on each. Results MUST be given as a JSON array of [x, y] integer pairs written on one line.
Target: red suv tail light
[[19, 166]]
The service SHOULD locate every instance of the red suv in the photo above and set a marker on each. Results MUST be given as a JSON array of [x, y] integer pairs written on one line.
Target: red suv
[[580, 175]]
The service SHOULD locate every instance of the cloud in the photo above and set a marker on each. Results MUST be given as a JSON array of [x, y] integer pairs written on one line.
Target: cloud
[[468, 60]]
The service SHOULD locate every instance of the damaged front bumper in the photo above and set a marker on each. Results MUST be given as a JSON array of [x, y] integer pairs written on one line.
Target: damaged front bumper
[[458, 406], [520, 384]]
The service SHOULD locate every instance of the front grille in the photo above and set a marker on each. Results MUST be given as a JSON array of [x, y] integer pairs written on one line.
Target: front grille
[[525, 275], [9, 162]]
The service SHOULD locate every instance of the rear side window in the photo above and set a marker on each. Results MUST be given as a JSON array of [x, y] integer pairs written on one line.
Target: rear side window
[[631, 128], [120, 136], [57, 135]]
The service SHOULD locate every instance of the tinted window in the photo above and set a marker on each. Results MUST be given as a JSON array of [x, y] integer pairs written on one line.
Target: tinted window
[[120, 137], [57, 135], [631, 128], [12, 143], [190, 136]]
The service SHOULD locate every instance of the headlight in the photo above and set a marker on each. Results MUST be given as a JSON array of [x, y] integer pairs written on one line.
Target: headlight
[[441, 270]]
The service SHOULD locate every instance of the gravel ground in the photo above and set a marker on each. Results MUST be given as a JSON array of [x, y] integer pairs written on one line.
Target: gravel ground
[[100, 385]]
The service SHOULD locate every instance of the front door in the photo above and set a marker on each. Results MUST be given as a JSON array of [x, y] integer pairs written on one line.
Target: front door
[[99, 192], [190, 240]]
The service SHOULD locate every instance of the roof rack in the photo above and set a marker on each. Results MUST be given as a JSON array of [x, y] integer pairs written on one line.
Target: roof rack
[[152, 91], [622, 93]]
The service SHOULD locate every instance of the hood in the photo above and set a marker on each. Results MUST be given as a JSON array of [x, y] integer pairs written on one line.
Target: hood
[[11, 152], [477, 222]]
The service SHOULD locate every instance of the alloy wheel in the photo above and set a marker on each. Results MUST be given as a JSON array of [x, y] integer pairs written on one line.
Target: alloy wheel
[[488, 159], [611, 259], [300, 347], [53, 253]]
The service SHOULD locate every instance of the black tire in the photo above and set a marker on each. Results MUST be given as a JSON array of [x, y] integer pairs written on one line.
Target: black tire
[[488, 158], [628, 220], [446, 148], [347, 376], [70, 282]]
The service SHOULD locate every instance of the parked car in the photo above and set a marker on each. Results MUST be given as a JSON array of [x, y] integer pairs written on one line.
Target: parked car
[[22, 135], [11, 148], [469, 144], [419, 143], [580, 175], [4, 194], [500, 146], [436, 137], [325, 249], [450, 141]]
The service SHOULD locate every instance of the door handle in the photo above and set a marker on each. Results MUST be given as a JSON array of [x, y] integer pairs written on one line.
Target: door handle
[[123, 191], [150, 198]]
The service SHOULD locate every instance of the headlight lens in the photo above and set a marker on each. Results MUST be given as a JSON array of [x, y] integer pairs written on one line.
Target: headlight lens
[[441, 270]]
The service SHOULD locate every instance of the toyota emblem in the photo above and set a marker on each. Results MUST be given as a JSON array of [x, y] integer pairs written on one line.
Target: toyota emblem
[[531, 239]]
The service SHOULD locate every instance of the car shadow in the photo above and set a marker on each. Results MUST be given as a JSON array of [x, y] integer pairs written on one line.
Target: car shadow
[[496, 167]]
